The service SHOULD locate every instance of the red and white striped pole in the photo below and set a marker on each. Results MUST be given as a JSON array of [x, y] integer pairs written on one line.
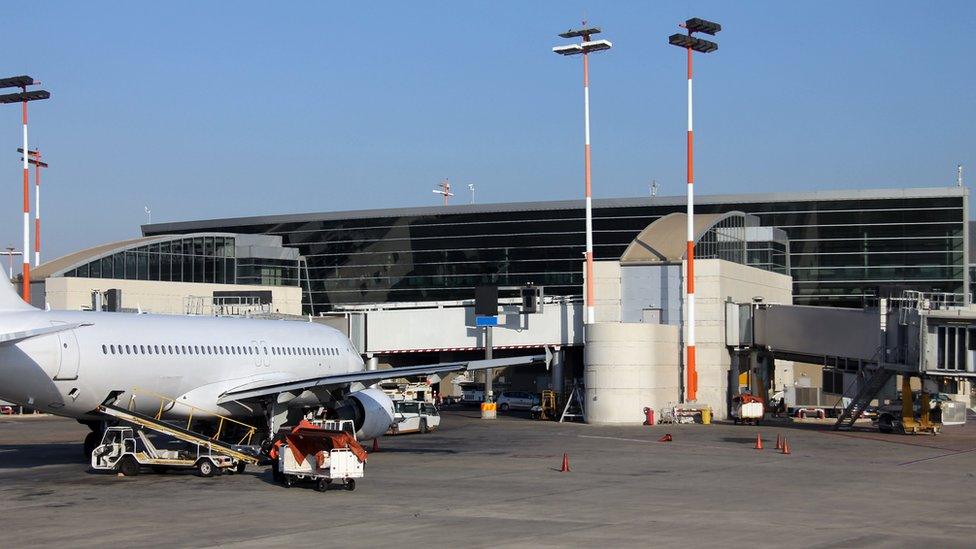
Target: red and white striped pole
[[690, 300], [26, 255], [590, 300], [37, 207]]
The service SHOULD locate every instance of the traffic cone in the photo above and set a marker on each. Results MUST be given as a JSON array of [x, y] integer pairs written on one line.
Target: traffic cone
[[779, 442], [565, 467], [786, 446], [758, 442], [376, 445], [665, 438]]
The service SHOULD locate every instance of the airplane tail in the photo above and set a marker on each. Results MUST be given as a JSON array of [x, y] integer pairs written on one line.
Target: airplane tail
[[9, 300]]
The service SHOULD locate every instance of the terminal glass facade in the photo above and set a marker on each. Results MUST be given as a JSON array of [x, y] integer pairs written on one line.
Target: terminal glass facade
[[842, 246], [204, 259]]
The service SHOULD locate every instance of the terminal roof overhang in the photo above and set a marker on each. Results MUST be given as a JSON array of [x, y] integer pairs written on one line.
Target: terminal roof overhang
[[665, 240], [848, 194]]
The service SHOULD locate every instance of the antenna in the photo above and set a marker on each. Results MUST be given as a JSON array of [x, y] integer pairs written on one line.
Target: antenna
[[653, 187], [959, 175], [471, 188], [148, 214], [444, 189]]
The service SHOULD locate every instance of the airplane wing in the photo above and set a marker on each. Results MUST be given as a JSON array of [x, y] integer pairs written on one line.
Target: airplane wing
[[261, 389], [10, 338]]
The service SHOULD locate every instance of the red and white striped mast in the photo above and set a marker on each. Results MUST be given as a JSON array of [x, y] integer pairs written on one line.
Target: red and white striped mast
[[585, 47], [34, 157], [22, 82], [689, 43]]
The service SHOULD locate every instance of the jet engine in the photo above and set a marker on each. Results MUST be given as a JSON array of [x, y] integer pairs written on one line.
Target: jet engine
[[371, 411]]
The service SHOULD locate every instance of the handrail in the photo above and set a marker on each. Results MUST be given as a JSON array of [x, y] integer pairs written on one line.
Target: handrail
[[164, 400]]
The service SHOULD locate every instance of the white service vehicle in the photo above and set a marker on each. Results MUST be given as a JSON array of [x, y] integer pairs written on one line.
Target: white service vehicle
[[320, 454], [126, 450], [516, 400], [413, 416]]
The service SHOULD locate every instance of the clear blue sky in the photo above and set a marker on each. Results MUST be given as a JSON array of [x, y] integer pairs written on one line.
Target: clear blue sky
[[212, 109]]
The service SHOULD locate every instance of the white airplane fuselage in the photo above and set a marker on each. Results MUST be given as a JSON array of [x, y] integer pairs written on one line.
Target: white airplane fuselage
[[191, 359]]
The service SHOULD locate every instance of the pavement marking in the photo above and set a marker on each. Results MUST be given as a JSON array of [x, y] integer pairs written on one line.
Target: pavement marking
[[950, 454]]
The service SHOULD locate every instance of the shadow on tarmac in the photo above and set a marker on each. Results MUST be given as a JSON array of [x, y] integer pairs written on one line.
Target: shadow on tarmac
[[26, 456]]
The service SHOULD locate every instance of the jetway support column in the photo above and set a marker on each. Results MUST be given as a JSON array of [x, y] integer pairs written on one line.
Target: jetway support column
[[557, 382]]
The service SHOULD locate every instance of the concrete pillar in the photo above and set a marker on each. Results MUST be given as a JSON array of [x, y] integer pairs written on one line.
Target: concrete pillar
[[628, 367], [557, 381]]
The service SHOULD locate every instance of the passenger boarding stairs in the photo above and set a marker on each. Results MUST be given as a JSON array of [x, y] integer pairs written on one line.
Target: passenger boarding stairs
[[212, 444], [874, 379]]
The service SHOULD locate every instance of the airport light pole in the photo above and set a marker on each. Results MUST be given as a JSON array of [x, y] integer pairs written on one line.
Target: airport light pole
[[23, 97], [691, 43], [34, 157], [585, 47]]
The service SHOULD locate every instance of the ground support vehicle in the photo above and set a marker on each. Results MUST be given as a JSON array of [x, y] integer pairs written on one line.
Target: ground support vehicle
[[310, 453], [547, 409], [126, 449], [747, 408], [910, 415], [412, 416]]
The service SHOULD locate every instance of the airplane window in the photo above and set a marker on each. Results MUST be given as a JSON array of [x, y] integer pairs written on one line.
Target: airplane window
[[233, 350], [220, 349], [183, 348], [177, 349], [112, 348], [142, 349], [127, 350], [265, 350], [196, 350], [104, 350]]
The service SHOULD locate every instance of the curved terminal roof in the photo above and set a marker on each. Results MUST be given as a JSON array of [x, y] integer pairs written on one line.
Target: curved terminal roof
[[63, 264], [665, 240]]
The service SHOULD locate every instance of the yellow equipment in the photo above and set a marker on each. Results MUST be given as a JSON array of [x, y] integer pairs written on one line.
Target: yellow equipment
[[909, 423], [548, 409]]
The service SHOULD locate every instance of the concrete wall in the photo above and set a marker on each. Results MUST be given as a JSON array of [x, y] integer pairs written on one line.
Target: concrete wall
[[629, 366], [644, 288], [67, 293], [606, 287], [715, 282]]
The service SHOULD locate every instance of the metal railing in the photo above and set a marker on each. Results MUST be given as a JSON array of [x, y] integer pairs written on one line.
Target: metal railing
[[166, 403], [224, 306]]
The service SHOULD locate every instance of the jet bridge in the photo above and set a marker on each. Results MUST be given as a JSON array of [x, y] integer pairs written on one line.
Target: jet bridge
[[916, 334]]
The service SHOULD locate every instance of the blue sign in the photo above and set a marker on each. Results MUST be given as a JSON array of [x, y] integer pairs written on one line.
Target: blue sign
[[486, 321]]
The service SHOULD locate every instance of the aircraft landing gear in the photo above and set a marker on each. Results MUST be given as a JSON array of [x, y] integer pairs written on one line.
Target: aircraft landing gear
[[91, 441]]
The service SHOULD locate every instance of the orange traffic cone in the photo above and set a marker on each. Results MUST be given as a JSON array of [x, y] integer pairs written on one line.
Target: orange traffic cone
[[565, 467], [786, 446], [376, 445], [779, 443], [665, 438], [758, 442]]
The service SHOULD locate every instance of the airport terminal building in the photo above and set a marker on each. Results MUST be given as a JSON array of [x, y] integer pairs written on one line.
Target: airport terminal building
[[843, 246]]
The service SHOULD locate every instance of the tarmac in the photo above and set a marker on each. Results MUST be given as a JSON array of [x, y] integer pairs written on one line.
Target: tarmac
[[476, 483]]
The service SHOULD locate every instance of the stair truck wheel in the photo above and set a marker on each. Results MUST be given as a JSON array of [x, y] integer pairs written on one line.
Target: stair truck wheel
[[241, 466], [350, 484], [206, 468], [275, 473], [288, 481], [129, 467], [885, 424], [322, 484]]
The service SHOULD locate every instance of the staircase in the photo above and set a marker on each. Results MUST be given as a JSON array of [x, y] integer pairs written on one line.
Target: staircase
[[874, 380]]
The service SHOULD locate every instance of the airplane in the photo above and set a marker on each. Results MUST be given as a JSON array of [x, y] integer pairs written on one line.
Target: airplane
[[68, 362]]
